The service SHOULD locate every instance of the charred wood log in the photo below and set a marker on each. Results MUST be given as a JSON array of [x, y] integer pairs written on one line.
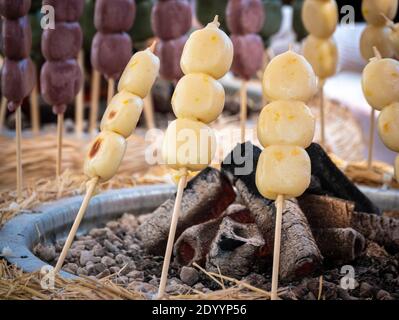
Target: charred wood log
[[299, 253], [333, 181], [194, 243], [205, 198], [383, 230], [339, 245], [235, 248], [326, 212]]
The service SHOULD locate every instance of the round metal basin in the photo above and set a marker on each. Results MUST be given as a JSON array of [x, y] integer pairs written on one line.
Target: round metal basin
[[53, 221]]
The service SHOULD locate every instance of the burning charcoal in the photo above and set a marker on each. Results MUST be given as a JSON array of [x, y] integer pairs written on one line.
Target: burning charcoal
[[63, 42], [335, 183], [17, 38], [299, 253], [383, 230], [205, 198], [326, 212], [194, 243], [235, 248], [339, 244]]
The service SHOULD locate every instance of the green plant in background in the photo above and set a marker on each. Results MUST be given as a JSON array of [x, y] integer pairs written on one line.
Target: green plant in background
[[273, 20], [297, 23], [87, 24], [207, 9], [36, 51], [141, 29]]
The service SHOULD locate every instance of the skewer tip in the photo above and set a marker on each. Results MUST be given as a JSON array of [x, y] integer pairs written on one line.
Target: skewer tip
[[389, 22], [153, 46], [216, 21], [377, 53]]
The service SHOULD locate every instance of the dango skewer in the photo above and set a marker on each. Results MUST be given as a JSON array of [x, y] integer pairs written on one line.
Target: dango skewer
[[118, 123], [198, 100]]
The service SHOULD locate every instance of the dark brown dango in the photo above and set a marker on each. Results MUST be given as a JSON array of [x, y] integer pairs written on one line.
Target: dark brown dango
[[61, 82], [17, 38], [111, 53], [248, 53], [18, 73], [61, 77], [63, 42], [244, 16], [66, 10], [169, 52], [171, 19], [114, 16], [17, 80], [14, 9], [171, 35]]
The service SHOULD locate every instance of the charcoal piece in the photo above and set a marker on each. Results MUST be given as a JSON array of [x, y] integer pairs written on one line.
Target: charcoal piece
[[111, 53], [245, 16], [63, 42], [326, 212], [17, 38], [383, 230], [66, 10], [248, 55], [205, 198], [17, 80], [14, 9], [194, 243], [114, 16], [60, 81], [339, 245], [171, 19], [169, 53], [334, 182], [235, 248], [299, 253]]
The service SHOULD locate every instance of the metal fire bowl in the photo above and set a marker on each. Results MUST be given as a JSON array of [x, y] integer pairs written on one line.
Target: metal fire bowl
[[52, 221]]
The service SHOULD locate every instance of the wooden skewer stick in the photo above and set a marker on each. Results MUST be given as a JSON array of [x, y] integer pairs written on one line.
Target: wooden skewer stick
[[79, 101], [111, 90], [148, 103], [372, 124], [172, 233], [371, 139], [322, 116], [18, 129], [277, 242], [60, 131], [243, 109], [95, 97], [3, 111], [91, 186], [149, 111], [34, 111]]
